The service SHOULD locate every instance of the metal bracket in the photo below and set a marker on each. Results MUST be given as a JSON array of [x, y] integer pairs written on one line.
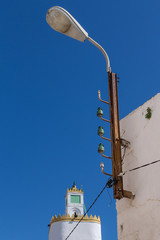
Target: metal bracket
[[104, 137], [128, 194], [99, 96], [124, 142], [102, 166], [105, 155]]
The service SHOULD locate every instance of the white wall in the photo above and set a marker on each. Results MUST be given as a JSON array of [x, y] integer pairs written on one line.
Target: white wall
[[84, 231], [139, 219]]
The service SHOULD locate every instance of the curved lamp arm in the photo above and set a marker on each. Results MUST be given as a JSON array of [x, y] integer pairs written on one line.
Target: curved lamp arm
[[62, 21], [103, 51]]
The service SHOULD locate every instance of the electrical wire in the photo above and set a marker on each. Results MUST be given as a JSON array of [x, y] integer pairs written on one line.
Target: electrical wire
[[110, 198], [133, 169], [107, 185], [144, 165], [124, 153]]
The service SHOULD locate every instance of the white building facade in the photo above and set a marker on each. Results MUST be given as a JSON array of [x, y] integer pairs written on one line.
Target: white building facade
[[60, 227], [139, 219]]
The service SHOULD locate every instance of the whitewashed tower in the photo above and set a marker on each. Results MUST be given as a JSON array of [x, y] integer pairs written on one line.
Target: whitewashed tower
[[61, 226], [74, 201]]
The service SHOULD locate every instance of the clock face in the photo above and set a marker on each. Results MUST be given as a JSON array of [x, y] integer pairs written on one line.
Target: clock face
[[75, 199]]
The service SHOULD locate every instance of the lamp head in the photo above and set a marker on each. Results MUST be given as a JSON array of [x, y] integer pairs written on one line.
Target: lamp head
[[62, 21]]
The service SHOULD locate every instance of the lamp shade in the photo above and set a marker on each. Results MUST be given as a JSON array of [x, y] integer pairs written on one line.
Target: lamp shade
[[62, 21]]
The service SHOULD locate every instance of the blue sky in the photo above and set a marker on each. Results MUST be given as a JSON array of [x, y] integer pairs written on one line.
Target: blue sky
[[48, 104]]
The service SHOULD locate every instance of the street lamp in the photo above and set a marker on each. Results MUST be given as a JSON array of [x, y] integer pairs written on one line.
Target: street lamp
[[62, 21]]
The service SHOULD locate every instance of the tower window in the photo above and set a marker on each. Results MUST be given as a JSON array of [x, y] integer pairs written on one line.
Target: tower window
[[75, 199]]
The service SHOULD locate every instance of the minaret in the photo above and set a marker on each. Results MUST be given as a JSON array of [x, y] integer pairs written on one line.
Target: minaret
[[74, 201], [60, 227]]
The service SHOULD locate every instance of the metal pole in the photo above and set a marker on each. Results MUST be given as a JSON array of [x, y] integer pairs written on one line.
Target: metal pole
[[115, 136], [118, 191]]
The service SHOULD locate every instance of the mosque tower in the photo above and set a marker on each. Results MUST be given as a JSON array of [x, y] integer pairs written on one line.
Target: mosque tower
[[60, 227]]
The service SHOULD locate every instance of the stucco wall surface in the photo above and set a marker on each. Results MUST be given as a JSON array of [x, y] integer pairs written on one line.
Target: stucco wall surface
[[84, 231], [139, 219]]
